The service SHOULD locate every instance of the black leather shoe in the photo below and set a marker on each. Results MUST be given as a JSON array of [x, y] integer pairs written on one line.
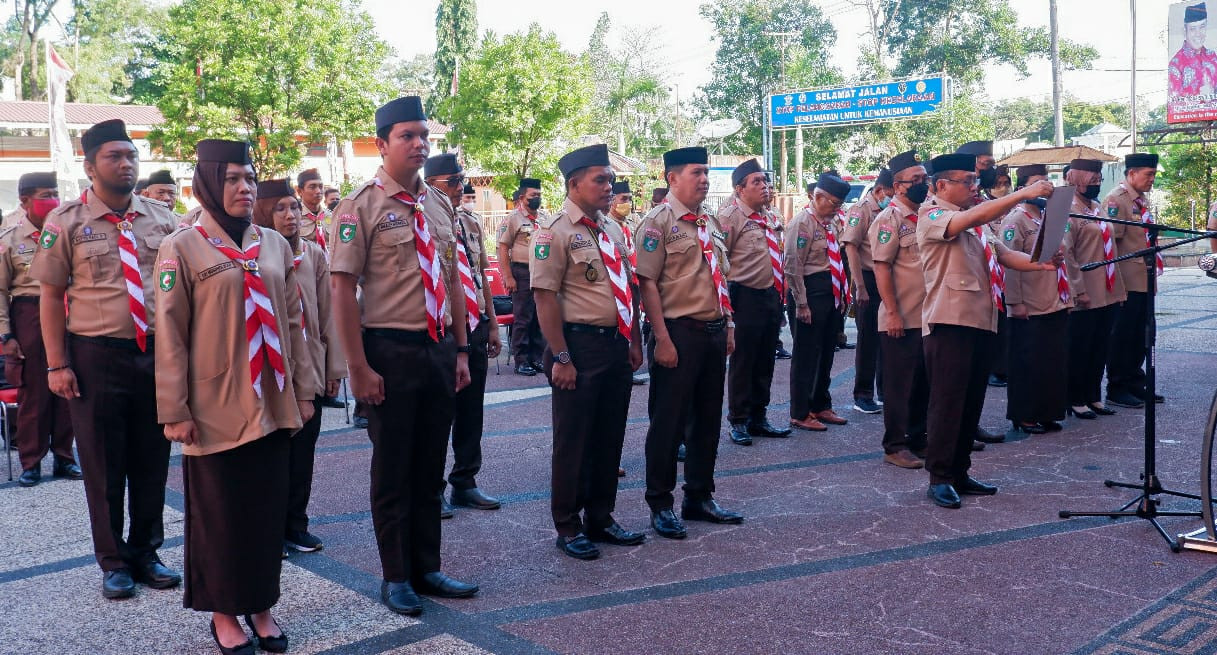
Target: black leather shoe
[[681, 453], [1052, 426], [1159, 398], [68, 470], [400, 597], [708, 510], [436, 583], [153, 573], [276, 644], [526, 369], [360, 423], [616, 535], [117, 584], [740, 436], [445, 508], [763, 428], [1124, 399], [637, 379], [537, 365], [246, 648], [330, 401], [997, 381], [944, 495], [30, 477], [473, 497], [781, 353], [1102, 411], [988, 437], [972, 487], [846, 346], [578, 547], [977, 446], [667, 525], [1034, 428], [1088, 414]]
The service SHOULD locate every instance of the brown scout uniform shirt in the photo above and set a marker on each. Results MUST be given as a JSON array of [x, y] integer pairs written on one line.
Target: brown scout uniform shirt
[[857, 229], [669, 253], [1119, 204], [516, 232], [202, 351], [373, 241], [805, 253], [79, 250], [17, 245], [471, 223], [324, 350], [309, 223], [563, 252], [1086, 247], [956, 271], [893, 241], [747, 246], [1036, 291]]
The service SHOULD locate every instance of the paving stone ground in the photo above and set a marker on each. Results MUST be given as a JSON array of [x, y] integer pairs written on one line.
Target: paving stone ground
[[839, 553]]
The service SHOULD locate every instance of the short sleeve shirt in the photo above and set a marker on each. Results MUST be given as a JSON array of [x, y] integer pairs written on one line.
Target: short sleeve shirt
[[893, 239], [669, 253], [1036, 290], [516, 233], [566, 259], [857, 228], [956, 271], [1121, 203], [748, 245]]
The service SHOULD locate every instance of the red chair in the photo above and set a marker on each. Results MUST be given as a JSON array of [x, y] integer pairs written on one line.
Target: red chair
[[497, 288], [8, 403]]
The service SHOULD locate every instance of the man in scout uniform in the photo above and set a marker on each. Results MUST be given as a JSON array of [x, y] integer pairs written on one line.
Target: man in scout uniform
[[819, 294], [622, 211], [856, 240], [161, 186], [682, 276], [582, 276], [42, 421], [515, 234], [1130, 202], [963, 296], [897, 261], [314, 217], [445, 173], [756, 285], [332, 196], [100, 249], [406, 347]]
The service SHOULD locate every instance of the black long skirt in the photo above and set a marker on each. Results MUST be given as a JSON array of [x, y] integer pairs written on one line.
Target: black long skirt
[[236, 507], [1038, 375]]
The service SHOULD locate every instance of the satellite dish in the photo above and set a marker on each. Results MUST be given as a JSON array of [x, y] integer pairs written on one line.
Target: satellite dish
[[719, 129]]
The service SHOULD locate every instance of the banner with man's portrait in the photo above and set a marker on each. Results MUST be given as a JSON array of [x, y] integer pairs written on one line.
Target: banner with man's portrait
[[1191, 74]]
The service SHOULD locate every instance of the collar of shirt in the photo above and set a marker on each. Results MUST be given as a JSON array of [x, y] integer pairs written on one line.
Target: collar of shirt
[[905, 206], [392, 187], [939, 202], [216, 231], [98, 209], [574, 214], [679, 208]]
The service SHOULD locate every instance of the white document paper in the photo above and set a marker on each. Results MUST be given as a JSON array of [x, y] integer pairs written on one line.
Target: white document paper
[[1052, 229]]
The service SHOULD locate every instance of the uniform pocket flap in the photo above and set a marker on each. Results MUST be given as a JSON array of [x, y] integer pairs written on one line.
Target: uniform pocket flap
[[958, 282]]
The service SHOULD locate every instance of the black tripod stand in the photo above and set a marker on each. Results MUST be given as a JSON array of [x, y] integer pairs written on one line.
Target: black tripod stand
[[1150, 486]]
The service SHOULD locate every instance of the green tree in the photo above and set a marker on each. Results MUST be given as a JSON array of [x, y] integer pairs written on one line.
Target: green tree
[[1187, 176], [117, 40], [271, 72], [414, 76], [456, 27], [522, 101], [631, 106], [23, 56]]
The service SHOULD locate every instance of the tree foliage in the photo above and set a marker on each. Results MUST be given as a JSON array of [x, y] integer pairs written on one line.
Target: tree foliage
[[1188, 172], [117, 42], [23, 58], [631, 107], [414, 76], [1032, 119], [456, 27]]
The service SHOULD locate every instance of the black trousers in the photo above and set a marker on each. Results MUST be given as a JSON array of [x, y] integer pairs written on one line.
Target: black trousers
[[685, 402], [758, 319], [1001, 347], [1039, 380], [123, 450], [1126, 357], [866, 354], [467, 421], [409, 434], [43, 420], [1089, 340], [527, 343], [300, 470], [813, 349], [589, 429], [906, 391], [957, 361]]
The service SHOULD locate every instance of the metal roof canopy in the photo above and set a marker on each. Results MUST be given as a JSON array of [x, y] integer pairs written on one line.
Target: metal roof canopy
[[1058, 155], [1180, 134]]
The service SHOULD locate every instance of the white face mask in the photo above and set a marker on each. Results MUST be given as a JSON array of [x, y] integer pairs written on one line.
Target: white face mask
[[468, 206]]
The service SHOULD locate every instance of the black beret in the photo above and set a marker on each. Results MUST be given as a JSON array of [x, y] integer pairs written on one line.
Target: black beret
[[219, 150], [745, 169], [442, 164], [621, 187], [811, 188], [271, 189], [1092, 165], [955, 162], [1195, 13], [977, 148], [307, 176], [1141, 160], [833, 185], [400, 110], [30, 182], [163, 176], [682, 156], [141, 184], [468, 189], [659, 193], [585, 157], [884, 179], [1003, 170], [104, 132], [530, 183], [906, 159], [1029, 170]]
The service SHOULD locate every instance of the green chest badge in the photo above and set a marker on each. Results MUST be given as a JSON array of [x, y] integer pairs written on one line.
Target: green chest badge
[[885, 236], [1009, 235]]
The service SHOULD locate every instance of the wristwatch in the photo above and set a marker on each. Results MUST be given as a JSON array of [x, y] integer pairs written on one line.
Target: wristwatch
[[562, 357], [464, 349]]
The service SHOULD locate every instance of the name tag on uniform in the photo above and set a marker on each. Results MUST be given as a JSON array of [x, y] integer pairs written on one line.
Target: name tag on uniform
[[676, 235], [86, 238], [216, 270], [577, 242], [906, 230], [391, 222]]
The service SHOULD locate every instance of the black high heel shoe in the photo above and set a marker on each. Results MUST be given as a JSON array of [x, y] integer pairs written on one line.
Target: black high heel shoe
[[246, 648], [276, 644], [1102, 411], [1088, 414], [1034, 428]]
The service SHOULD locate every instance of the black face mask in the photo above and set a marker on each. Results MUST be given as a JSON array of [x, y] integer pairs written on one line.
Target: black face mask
[[534, 204], [917, 193], [332, 205], [1091, 191], [1038, 202], [988, 178]]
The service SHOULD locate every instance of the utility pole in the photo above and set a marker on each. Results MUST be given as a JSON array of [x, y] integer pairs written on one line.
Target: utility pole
[[786, 38], [1058, 121], [1132, 17]]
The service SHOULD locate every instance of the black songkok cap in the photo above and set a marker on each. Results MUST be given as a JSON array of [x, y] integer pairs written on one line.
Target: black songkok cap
[[621, 187], [530, 183], [220, 150], [163, 176], [140, 184], [977, 148], [1141, 160], [682, 156], [584, 157], [1025, 172], [833, 185], [659, 194], [442, 164], [885, 179], [401, 110], [811, 188], [468, 189], [907, 159], [1195, 13], [30, 182], [1003, 170], [1092, 165], [104, 132], [745, 169], [955, 162], [307, 176], [271, 189]]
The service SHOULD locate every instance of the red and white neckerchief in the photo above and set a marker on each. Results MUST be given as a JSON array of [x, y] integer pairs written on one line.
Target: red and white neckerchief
[[472, 315], [775, 253], [707, 249], [617, 277], [997, 275], [428, 263], [840, 290], [260, 329], [129, 255], [1147, 217], [629, 245], [318, 220], [298, 257], [1062, 280], [1109, 249]]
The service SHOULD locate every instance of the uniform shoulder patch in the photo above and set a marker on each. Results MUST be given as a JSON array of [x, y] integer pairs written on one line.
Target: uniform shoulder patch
[[50, 232], [885, 235], [1009, 234], [166, 274], [933, 215], [855, 217], [347, 224], [650, 238], [1112, 211]]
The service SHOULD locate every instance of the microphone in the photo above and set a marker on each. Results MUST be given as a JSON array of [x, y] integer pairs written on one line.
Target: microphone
[[1208, 264]]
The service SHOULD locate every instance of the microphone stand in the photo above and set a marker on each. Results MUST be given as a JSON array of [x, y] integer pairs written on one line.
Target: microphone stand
[[1150, 486]]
